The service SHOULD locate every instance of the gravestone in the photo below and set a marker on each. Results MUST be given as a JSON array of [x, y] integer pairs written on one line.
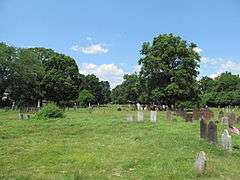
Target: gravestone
[[39, 103], [138, 106], [168, 115], [207, 114], [129, 118], [20, 116], [196, 114], [220, 115], [140, 116], [225, 120], [201, 163], [188, 117], [153, 116], [203, 129], [226, 140], [238, 119], [212, 132], [232, 119]]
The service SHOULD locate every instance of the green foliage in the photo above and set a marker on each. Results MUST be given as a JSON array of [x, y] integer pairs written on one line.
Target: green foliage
[[128, 91], [221, 91], [51, 110], [86, 97], [169, 69]]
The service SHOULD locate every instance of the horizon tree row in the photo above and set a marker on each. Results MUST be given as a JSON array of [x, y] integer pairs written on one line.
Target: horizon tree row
[[168, 76], [31, 74]]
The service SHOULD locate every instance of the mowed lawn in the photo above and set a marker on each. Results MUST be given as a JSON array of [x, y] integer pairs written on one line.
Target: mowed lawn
[[102, 145]]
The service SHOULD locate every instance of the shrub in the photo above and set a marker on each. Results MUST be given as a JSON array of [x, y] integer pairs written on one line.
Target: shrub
[[51, 110]]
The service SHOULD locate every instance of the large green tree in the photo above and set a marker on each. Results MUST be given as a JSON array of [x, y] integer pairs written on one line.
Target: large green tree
[[169, 70], [7, 61]]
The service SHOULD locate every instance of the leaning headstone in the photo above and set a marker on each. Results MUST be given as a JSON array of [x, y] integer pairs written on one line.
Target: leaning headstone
[[232, 119], [153, 116], [201, 163], [212, 132], [168, 115], [140, 116], [226, 140], [203, 129], [129, 118]]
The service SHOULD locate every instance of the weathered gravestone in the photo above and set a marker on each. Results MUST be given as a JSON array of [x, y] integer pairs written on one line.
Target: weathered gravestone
[[238, 119], [226, 140], [232, 119], [168, 115], [207, 114], [188, 117], [138, 106], [196, 114], [129, 118], [201, 163], [153, 116], [212, 132], [140, 116], [225, 120], [203, 129]]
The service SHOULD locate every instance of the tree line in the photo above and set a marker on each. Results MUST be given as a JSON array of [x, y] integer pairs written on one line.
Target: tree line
[[168, 76], [31, 74]]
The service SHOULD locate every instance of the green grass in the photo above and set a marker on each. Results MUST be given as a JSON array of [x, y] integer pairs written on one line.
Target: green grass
[[102, 145]]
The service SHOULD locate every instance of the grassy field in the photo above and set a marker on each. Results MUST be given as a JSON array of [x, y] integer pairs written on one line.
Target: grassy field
[[102, 145]]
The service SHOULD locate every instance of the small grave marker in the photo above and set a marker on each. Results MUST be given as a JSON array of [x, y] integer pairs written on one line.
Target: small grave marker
[[201, 163], [226, 140]]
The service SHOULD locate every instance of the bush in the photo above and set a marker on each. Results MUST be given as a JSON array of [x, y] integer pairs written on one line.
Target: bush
[[51, 110]]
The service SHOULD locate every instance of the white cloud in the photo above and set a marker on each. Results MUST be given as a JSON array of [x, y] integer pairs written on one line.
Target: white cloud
[[107, 72], [221, 65], [91, 49], [198, 50]]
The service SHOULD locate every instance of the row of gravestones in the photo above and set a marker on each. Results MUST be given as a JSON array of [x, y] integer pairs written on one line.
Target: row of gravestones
[[23, 116], [230, 119], [209, 131], [140, 117]]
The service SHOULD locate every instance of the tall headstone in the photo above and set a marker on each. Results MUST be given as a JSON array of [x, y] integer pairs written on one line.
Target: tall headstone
[[168, 115], [226, 140], [39, 103], [201, 162], [140, 116], [138, 106], [203, 129], [212, 132], [153, 116]]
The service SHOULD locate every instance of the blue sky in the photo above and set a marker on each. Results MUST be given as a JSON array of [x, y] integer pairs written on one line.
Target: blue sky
[[104, 37]]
